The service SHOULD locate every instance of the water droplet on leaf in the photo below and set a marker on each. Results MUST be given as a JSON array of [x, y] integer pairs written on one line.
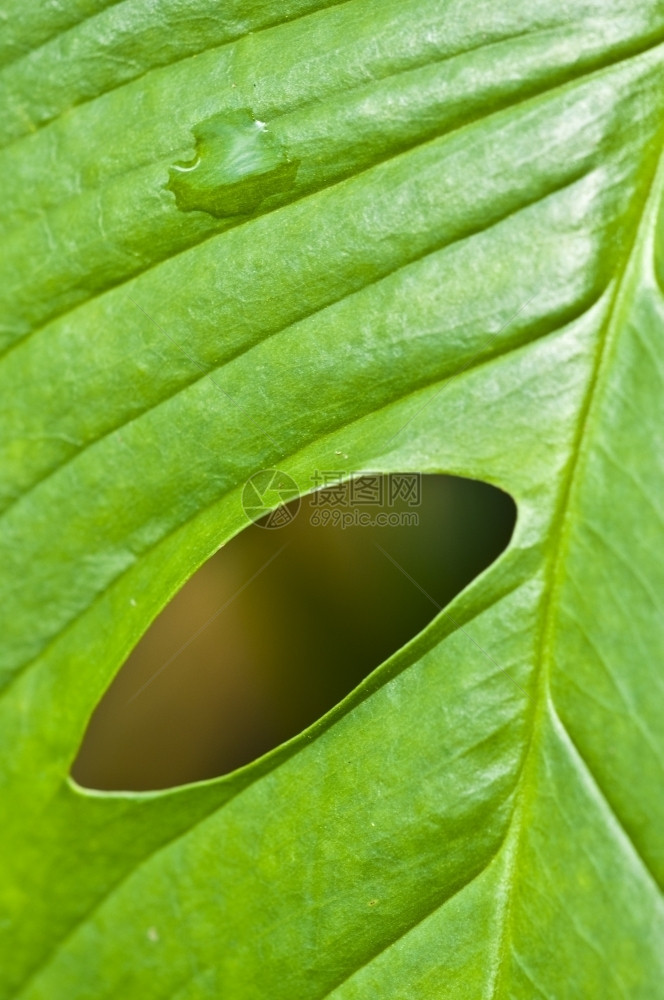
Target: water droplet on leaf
[[239, 162]]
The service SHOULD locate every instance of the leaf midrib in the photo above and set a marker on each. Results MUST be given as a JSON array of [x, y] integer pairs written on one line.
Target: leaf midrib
[[607, 345], [542, 689], [544, 700]]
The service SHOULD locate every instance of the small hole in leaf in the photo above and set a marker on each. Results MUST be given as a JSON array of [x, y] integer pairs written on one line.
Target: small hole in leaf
[[281, 624]]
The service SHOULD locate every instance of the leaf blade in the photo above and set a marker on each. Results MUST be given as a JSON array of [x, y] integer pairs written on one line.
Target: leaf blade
[[560, 224]]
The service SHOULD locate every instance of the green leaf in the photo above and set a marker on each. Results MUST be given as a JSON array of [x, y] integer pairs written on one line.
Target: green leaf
[[463, 274]]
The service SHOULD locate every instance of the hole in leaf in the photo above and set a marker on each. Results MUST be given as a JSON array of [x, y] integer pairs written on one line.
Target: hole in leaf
[[279, 625]]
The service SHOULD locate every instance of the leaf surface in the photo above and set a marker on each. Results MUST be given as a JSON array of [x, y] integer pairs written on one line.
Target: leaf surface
[[457, 266]]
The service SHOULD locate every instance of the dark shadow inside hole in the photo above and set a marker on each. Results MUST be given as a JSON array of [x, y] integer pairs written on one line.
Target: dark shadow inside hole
[[281, 624]]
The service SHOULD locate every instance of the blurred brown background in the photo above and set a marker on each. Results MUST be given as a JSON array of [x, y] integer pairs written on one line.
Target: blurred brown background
[[276, 628]]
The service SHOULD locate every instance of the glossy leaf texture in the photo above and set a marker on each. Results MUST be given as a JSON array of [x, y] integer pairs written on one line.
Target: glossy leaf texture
[[444, 254]]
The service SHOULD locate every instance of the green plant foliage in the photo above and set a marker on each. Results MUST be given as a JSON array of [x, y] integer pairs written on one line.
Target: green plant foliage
[[457, 266]]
